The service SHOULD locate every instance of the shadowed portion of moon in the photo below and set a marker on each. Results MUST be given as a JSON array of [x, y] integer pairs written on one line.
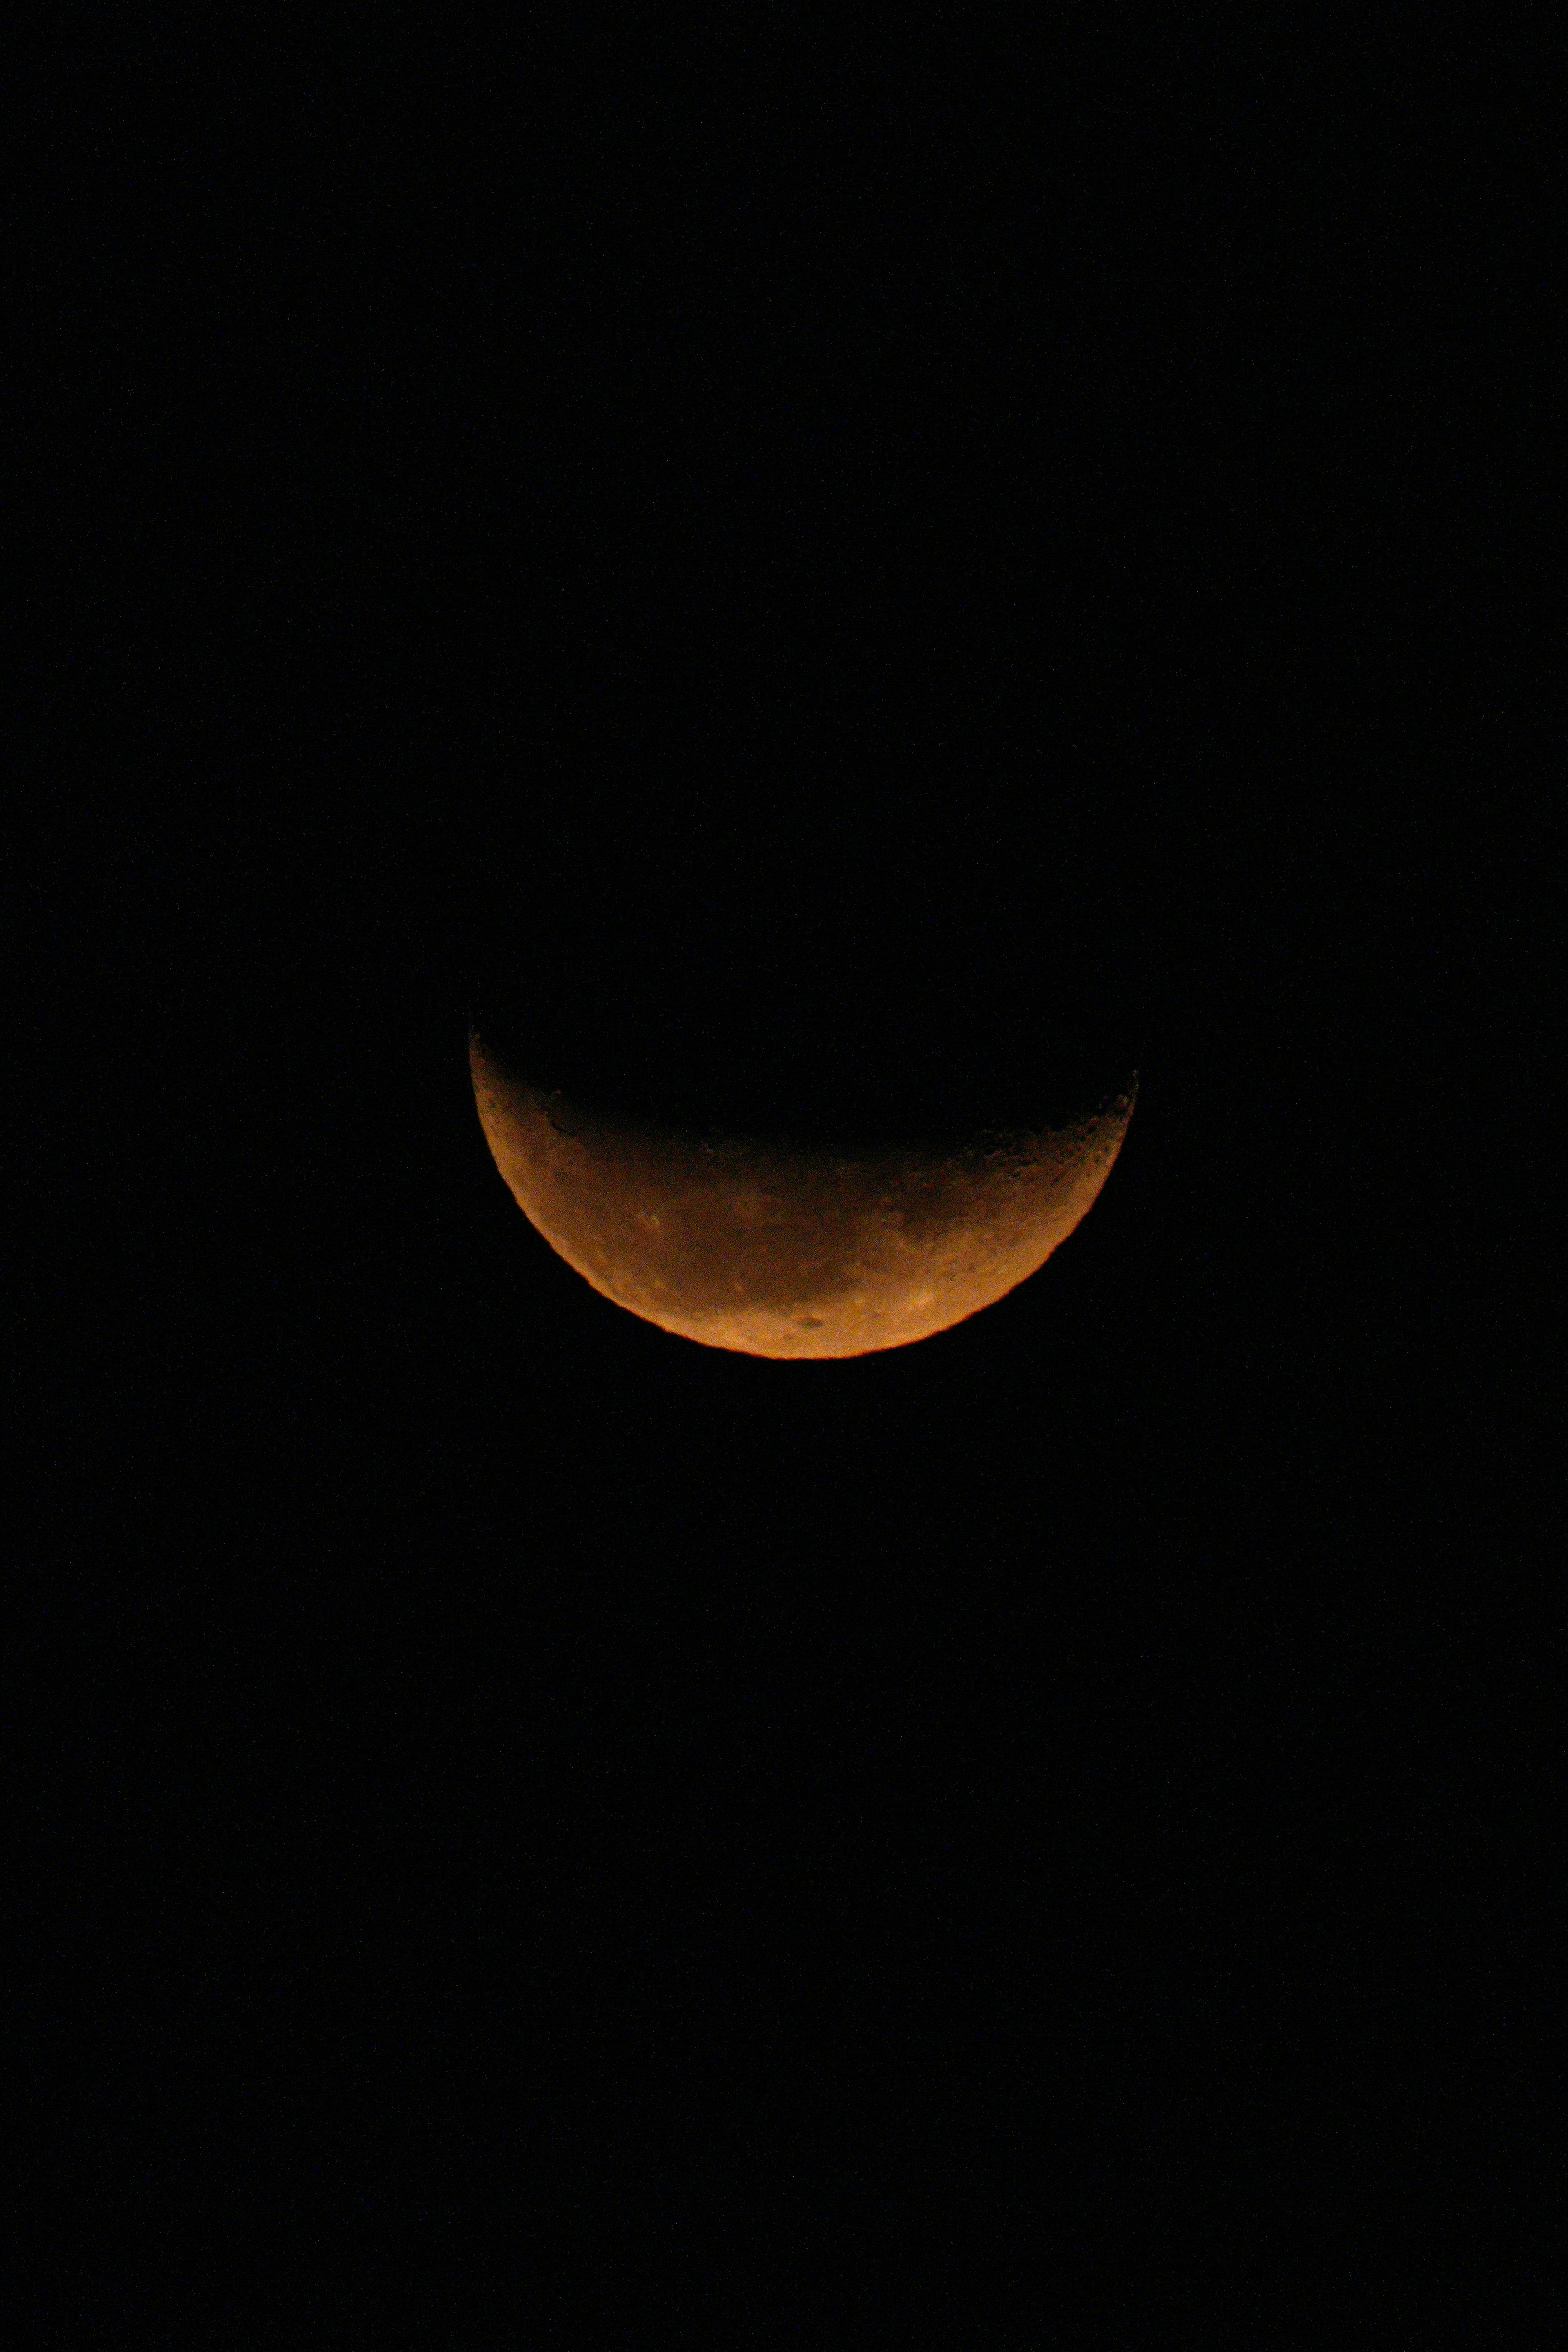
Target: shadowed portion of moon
[[775, 1250]]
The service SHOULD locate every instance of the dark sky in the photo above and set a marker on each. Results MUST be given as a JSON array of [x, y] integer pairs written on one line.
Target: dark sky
[[881, 587]]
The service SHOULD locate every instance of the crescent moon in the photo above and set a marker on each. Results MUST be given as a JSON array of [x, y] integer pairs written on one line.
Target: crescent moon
[[775, 1251]]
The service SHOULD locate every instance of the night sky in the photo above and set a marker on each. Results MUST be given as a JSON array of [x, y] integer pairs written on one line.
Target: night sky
[[882, 590]]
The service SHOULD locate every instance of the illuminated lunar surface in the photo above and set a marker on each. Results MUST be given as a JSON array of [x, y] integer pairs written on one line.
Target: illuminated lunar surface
[[778, 1250]]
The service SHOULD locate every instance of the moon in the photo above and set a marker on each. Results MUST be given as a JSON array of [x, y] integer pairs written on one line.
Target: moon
[[774, 1250]]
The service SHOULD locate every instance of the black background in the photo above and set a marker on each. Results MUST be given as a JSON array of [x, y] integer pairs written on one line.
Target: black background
[[888, 584]]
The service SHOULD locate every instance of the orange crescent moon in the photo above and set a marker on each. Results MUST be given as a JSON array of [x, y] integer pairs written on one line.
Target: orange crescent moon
[[775, 1251]]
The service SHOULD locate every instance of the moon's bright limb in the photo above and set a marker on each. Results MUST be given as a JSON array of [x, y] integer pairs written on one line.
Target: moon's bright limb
[[774, 1251]]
